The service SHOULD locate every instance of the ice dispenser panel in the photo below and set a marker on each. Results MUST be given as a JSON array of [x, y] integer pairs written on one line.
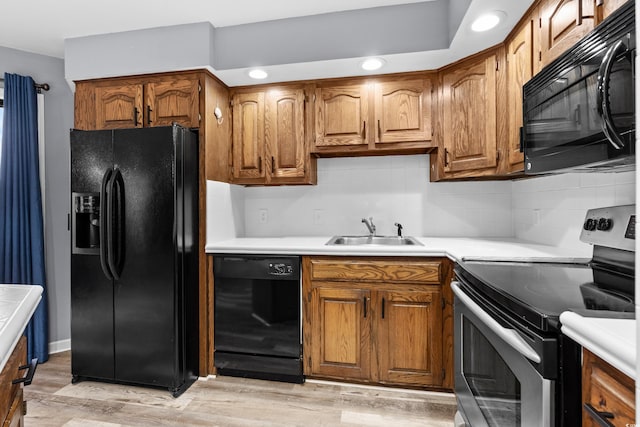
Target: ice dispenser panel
[[85, 223]]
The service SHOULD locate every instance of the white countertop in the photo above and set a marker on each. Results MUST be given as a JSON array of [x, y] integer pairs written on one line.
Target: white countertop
[[17, 304], [613, 340], [455, 248]]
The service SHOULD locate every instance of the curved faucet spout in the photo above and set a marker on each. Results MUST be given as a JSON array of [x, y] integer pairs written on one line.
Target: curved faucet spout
[[369, 223]]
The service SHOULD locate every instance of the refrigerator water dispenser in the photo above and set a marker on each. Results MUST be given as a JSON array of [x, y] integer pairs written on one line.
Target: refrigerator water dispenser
[[85, 226]]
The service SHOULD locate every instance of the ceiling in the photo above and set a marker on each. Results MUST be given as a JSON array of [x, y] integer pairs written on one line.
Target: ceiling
[[41, 26]]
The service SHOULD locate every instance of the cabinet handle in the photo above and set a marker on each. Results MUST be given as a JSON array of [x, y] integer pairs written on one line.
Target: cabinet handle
[[364, 129], [260, 164], [383, 308], [273, 164], [446, 157], [599, 417], [379, 132], [364, 302], [149, 110], [29, 377], [135, 116]]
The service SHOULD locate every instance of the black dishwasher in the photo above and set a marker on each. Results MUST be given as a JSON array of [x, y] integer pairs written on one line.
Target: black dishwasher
[[257, 317]]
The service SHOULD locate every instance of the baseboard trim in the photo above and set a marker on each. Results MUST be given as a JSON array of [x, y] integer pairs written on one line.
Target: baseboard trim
[[59, 346]]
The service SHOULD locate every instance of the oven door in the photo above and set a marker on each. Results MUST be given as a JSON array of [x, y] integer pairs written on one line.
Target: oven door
[[496, 383]]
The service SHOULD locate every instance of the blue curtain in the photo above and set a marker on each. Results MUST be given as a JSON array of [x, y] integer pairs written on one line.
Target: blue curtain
[[21, 230]]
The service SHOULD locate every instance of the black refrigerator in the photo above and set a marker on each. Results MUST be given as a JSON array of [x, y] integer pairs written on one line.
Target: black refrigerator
[[134, 260]]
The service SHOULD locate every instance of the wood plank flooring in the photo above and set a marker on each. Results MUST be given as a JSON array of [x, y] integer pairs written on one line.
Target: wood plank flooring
[[226, 401]]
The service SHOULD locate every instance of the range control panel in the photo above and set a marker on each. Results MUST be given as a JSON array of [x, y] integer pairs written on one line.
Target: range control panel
[[613, 227]]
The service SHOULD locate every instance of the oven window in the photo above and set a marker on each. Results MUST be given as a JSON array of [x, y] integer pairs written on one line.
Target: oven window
[[495, 388]]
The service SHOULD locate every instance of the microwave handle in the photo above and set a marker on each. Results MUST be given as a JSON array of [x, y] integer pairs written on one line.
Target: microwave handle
[[604, 109], [510, 336]]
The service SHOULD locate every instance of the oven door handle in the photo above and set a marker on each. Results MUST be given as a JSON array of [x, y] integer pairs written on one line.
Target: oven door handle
[[510, 336]]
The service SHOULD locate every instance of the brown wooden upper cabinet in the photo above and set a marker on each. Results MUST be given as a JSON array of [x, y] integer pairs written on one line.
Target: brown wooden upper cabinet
[[562, 23], [520, 62], [468, 108], [270, 137], [604, 8], [341, 115], [363, 117], [134, 102]]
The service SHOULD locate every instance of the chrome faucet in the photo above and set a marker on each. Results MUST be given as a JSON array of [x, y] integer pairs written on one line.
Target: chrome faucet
[[397, 224], [370, 226]]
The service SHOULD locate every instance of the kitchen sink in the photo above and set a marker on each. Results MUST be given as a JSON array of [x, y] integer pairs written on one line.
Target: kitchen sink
[[373, 240]]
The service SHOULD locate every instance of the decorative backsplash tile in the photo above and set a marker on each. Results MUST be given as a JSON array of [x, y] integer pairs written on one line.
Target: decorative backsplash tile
[[547, 209]]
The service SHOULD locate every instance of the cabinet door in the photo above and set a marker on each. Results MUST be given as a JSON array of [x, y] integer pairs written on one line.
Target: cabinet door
[[285, 133], [171, 101], [403, 111], [469, 108], [341, 323], [519, 71], [118, 106], [248, 136], [606, 8], [563, 23], [341, 115], [409, 336]]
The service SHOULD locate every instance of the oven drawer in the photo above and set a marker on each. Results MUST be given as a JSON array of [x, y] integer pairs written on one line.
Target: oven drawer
[[608, 395], [388, 270]]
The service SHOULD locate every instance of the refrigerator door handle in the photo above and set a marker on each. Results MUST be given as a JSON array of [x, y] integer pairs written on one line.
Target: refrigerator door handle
[[114, 203], [104, 246]]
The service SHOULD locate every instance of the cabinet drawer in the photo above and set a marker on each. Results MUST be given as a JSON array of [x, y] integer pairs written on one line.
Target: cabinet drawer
[[608, 391], [387, 270], [10, 373]]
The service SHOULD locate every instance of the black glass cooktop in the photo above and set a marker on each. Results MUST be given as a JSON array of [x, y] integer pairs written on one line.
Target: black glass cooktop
[[537, 293]]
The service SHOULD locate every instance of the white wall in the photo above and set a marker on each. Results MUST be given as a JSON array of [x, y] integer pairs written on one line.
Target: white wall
[[390, 189], [225, 211]]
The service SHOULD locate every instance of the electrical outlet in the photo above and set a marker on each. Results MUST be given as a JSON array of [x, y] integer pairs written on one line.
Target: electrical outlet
[[318, 216], [263, 216], [536, 217]]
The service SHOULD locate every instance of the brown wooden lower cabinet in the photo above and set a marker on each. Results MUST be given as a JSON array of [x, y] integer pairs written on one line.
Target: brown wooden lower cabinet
[[607, 394], [376, 320], [12, 406]]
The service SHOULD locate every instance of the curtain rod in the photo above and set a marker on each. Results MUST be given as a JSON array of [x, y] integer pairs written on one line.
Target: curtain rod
[[40, 87]]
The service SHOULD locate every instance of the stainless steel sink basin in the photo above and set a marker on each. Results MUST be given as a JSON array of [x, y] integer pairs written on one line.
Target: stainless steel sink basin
[[373, 240]]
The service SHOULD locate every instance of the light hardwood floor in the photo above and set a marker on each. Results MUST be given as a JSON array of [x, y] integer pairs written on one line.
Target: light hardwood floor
[[226, 401]]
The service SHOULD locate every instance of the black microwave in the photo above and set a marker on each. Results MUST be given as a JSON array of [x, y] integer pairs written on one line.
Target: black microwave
[[579, 111]]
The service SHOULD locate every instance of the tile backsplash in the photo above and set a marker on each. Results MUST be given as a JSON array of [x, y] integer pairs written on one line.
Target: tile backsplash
[[551, 209], [388, 188], [548, 210]]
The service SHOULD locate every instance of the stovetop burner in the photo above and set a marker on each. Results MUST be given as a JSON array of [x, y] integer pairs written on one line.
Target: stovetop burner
[[598, 298]]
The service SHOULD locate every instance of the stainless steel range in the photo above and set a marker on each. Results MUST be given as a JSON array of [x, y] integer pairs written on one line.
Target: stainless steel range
[[514, 367]]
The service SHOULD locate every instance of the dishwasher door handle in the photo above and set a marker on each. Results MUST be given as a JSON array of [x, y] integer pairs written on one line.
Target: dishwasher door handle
[[509, 336]]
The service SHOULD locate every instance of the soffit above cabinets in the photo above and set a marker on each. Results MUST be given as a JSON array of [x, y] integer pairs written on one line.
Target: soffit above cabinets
[[291, 40]]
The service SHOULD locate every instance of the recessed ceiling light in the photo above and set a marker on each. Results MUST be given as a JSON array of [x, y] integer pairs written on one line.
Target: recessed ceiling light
[[487, 21], [258, 74], [372, 64]]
